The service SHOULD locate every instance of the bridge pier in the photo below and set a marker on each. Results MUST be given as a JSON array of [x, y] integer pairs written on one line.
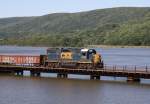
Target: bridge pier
[[32, 73], [133, 79], [38, 74], [94, 77], [60, 75], [19, 73]]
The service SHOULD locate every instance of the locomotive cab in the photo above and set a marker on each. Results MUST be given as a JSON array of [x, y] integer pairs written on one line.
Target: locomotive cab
[[92, 56], [87, 53]]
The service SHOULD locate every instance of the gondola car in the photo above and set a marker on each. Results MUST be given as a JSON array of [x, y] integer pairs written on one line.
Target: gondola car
[[76, 58]]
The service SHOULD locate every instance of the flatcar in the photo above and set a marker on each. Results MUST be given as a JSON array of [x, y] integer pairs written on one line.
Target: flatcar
[[76, 58]]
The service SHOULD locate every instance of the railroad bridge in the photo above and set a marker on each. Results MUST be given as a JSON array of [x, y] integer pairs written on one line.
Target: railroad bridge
[[131, 73]]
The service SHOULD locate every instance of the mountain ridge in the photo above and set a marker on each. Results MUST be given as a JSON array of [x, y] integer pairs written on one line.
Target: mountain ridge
[[101, 23]]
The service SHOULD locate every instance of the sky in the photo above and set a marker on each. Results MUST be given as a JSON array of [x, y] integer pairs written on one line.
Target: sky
[[19, 8]]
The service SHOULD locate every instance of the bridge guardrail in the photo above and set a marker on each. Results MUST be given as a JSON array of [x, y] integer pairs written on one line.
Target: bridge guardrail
[[128, 68]]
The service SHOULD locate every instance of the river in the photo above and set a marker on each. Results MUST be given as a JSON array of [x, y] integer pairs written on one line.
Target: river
[[78, 89]]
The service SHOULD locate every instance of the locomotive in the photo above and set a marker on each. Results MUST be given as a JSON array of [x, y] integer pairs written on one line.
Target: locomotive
[[76, 58]]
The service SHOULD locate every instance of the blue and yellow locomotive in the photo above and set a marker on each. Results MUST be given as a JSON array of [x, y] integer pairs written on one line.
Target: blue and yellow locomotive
[[76, 58]]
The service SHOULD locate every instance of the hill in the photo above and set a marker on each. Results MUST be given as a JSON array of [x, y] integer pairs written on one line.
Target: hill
[[113, 26]]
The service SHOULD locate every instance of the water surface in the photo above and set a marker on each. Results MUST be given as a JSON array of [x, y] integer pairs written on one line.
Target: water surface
[[78, 89], [18, 90]]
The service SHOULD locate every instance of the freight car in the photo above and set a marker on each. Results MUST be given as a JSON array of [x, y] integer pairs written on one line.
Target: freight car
[[76, 58], [29, 60]]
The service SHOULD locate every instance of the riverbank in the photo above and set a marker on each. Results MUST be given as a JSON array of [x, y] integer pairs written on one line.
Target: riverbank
[[116, 46], [88, 46]]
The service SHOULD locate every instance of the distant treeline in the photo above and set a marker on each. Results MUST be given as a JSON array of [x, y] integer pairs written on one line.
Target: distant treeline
[[114, 26]]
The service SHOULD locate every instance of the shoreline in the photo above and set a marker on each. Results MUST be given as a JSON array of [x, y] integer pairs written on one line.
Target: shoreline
[[116, 46], [88, 46]]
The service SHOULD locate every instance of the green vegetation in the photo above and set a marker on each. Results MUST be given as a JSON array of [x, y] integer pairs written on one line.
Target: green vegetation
[[114, 26]]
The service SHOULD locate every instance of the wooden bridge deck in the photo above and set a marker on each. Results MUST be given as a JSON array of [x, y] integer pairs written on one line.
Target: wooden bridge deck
[[131, 74]]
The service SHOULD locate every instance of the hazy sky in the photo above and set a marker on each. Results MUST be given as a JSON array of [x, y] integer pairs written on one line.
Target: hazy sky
[[11, 8]]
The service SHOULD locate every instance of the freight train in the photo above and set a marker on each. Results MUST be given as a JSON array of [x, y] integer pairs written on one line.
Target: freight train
[[76, 58]]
